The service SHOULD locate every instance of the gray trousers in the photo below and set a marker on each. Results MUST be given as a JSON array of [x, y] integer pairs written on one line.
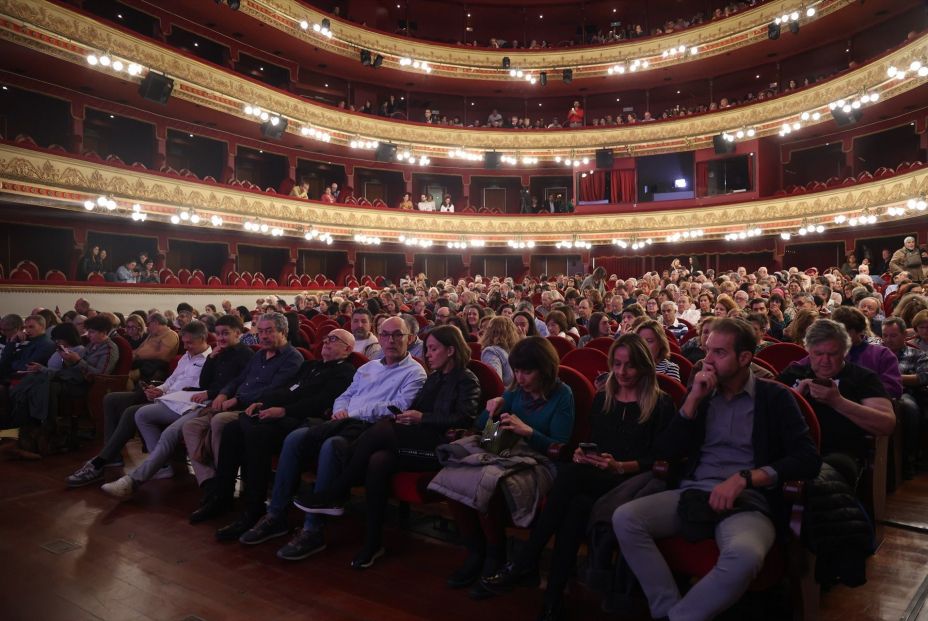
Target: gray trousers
[[194, 430], [119, 421], [161, 428], [743, 540]]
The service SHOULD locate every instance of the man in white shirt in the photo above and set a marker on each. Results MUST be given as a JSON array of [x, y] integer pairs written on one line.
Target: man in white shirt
[[364, 342], [160, 422]]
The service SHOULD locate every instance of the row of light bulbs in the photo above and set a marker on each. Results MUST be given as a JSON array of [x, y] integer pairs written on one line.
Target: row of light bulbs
[[917, 67], [633, 243], [794, 16], [634, 66], [363, 144], [323, 28], [415, 241], [105, 60], [415, 64], [686, 235], [576, 243], [366, 240], [313, 235], [847, 105], [680, 50], [520, 243], [407, 156], [275, 119], [747, 233], [461, 245], [739, 134], [572, 162], [461, 154]]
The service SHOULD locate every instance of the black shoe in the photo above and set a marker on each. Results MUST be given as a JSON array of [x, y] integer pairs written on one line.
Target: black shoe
[[468, 573], [266, 528], [303, 545], [239, 527], [479, 593], [212, 507], [366, 558], [510, 577], [553, 612], [324, 503]]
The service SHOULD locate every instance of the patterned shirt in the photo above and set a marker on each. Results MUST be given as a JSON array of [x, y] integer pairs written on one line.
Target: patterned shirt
[[913, 361]]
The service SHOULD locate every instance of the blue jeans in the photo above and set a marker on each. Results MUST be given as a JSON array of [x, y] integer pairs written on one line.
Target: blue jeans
[[290, 465]]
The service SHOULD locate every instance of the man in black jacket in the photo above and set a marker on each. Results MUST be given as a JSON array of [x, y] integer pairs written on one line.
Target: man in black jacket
[[260, 430], [741, 437]]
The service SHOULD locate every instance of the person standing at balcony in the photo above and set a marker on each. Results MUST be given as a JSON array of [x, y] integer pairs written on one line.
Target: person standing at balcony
[[495, 119], [907, 259], [446, 205], [575, 115]]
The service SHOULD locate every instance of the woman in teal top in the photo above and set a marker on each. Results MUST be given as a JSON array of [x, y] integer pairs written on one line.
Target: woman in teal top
[[540, 409]]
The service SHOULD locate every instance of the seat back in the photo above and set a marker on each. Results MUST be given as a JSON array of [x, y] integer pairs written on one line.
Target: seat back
[[781, 355], [686, 367], [672, 387], [124, 364], [584, 393], [562, 345], [602, 343], [357, 359], [491, 386], [589, 362], [475, 350]]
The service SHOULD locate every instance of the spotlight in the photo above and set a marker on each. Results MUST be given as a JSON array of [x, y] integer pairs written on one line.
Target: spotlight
[[366, 58], [506, 62], [773, 32], [235, 4], [378, 60], [326, 24], [568, 76]]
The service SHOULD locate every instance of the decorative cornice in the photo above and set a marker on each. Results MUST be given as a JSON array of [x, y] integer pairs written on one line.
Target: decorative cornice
[[57, 31], [63, 182], [713, 38]]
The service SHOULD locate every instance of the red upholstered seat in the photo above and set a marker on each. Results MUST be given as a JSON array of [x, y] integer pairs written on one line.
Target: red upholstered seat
[[357, 359], [686, 367], [214, 281], [672, 387], [307, 355], [562, 345], [20, 274], [30, 267], [95, 277], [780, 355], [171, 280], [602, 343], [475, 350], [589, 362], [584, 393]]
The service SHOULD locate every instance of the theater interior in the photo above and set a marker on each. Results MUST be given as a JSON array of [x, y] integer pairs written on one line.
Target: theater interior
[[257, 148]]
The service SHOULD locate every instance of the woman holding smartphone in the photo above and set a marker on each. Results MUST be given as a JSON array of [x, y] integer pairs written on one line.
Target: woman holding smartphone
[[626, 419]]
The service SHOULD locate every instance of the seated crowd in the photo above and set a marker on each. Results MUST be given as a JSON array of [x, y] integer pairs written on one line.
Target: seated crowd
[[391, 385]]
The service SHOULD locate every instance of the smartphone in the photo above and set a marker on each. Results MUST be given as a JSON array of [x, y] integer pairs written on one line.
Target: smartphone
[[394, 410], [589, 448], [602, 377], [823, 382]]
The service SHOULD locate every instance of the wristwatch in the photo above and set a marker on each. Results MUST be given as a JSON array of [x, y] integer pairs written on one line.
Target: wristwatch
[[746, 475]]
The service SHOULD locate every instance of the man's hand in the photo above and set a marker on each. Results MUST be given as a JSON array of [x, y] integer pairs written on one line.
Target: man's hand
[[152, 393], [217, 402], [340, 415], [199, 397], [724, 494], [269, 413], [409, 417], [70, 356], [704, 383], [252, 409], [228, 404], [829, 395]]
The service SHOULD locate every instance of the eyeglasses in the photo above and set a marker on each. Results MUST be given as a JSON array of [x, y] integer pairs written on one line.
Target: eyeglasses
[[334, 339], [393, 336]]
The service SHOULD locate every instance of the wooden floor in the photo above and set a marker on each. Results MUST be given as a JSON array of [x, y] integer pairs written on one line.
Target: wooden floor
[[72, 555]]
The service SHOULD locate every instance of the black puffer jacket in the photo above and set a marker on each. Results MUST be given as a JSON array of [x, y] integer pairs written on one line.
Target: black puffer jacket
[[837, 529], [449, 400]]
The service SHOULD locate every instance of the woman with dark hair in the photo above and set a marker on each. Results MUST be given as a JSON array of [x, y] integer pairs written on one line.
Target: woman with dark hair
[[472, 315], [557, 323], [448, 399], [294, 336], [596, 280], [654, 337], [90, 262], [625, 421], [525, 324], [539, 411], [65, 337], [457, 322], [598, 326]]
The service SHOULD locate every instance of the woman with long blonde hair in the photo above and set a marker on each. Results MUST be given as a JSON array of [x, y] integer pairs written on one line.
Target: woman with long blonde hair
[[500, 336]]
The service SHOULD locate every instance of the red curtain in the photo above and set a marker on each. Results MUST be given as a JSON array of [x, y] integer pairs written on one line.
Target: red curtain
[[593, 187], [702, 178], [623, 186]]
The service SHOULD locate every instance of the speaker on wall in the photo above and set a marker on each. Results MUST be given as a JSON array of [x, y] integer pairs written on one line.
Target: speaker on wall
[[773, 31], [604, 159], [274, 130], [543, 78], [386, 152], [366, 58], [721, 145], [491, 160], [156, 87], [568, 76], [847, 118]]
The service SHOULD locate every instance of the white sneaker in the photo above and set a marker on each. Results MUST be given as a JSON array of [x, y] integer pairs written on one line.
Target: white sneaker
[[122, 488]]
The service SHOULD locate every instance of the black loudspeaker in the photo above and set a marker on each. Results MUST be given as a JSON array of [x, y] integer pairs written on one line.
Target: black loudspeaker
[[604, 159], [543, 77], [386, 152], [506, 62], [365, 58], [773, 32], [721, 145], [568, 76], [156, 87], [270, 130], [378, 60], [847, 118], [794, 27], [491, 160]]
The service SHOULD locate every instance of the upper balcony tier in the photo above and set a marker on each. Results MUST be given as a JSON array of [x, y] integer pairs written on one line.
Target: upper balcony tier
[[68, 37], [718, 47]]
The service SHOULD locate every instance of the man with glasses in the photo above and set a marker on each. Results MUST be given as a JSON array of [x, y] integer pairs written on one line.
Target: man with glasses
[[260, 431], [416, 347], [270, 369], [442, 315], [379, 388]]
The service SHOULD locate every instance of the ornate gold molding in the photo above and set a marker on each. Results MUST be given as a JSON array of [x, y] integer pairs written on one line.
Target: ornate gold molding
[[713, 38], [63, 182], [60, 32]]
